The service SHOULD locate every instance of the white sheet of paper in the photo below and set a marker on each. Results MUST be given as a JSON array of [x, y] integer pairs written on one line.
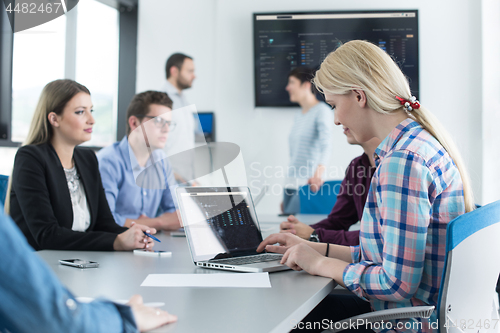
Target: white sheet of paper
[[217, 280]]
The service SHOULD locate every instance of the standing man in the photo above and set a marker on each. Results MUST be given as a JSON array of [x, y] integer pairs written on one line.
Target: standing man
[[136, 176], [180, 75]]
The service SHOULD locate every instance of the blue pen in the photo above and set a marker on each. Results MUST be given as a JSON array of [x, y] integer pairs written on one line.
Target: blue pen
[[151, 236]]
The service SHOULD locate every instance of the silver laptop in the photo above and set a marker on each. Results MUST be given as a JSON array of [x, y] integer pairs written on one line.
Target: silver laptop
[[259, 197], [222, 229]]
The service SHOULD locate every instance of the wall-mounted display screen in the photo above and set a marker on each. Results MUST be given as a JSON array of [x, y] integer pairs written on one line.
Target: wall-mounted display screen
[[283, 41]]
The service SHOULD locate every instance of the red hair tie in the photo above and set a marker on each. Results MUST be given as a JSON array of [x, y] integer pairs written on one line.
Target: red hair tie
[[409, 105]]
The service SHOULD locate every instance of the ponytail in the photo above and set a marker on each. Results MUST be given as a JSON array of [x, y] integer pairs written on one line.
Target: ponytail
[[432, 125]]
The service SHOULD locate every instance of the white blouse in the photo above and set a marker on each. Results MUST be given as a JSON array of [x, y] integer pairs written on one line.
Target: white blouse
[[81, 214]]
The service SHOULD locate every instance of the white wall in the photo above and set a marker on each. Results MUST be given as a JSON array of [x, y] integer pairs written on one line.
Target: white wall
[[218, 34], [491, 99], [170, 26]]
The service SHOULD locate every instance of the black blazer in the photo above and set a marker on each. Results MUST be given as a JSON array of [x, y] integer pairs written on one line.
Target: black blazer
[[40, 202]]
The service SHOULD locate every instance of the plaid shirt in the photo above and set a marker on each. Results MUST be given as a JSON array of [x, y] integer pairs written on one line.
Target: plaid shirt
[[415, 191]]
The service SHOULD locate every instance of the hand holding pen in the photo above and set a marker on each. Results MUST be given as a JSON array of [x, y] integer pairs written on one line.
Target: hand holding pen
[[135, 238], [151, 236]]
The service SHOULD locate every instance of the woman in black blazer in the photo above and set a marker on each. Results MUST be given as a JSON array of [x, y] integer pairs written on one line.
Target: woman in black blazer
[[56, 196]]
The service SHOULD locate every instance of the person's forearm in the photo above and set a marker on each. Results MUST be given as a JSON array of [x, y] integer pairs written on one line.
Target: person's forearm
[[179, 178], [153, 223], [340, 252], [320, 170], [332, 268], [117, 244], [324, 224], [169, 221], [340, 237], [42, 293]]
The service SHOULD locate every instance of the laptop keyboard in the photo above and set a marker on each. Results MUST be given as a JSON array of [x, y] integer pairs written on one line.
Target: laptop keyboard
[[248, 259]]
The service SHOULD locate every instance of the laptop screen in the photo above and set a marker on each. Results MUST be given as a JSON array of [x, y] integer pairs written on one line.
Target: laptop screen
[[220, 222]]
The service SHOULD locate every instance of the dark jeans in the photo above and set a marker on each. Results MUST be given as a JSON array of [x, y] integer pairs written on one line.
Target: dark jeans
[[332, 309]]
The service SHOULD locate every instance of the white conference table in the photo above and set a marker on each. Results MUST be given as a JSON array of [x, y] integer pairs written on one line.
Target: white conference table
[[119, 276]]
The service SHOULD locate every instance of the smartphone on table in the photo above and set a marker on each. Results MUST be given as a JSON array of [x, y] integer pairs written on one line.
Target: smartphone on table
[[79, 263]]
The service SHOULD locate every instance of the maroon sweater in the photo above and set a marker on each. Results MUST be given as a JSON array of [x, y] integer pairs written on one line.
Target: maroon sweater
[[348, 208]]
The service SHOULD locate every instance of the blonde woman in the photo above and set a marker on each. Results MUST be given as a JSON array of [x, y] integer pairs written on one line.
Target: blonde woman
[[419, 186], [56, 195]]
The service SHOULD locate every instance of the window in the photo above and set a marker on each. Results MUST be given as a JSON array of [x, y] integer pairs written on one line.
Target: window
[[97, 65], [82, 45], [39, 57], [90, 44]]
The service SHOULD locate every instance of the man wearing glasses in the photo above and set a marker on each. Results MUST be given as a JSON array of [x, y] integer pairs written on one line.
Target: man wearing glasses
[[136, 175]]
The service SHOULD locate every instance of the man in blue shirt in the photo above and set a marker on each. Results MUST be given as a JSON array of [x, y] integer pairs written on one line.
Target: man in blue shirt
[[137, 177], [34, 300]]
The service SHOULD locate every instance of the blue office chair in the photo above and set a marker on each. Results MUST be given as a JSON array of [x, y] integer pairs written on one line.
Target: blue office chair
[[472, 263], [320, 202], [4, 181]]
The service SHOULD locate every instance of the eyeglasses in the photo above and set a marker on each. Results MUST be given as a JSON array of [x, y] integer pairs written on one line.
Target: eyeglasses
[[158, 121]]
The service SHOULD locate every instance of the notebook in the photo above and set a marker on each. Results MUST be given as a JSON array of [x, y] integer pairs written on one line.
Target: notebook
[[222, 229]]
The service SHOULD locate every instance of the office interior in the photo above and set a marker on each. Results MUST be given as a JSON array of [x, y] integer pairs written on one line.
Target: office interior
[[459, 52]]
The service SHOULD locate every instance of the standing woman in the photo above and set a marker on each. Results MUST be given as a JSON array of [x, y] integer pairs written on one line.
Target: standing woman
[[310, 139], [56, 195], [419, 186]]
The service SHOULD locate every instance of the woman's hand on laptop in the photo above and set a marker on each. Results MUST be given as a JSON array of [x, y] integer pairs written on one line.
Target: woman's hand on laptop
[[303, 257], [285, 241]]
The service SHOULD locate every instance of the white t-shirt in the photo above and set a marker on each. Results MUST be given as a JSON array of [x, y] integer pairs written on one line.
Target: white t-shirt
[[310, 144], [182, 138]]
